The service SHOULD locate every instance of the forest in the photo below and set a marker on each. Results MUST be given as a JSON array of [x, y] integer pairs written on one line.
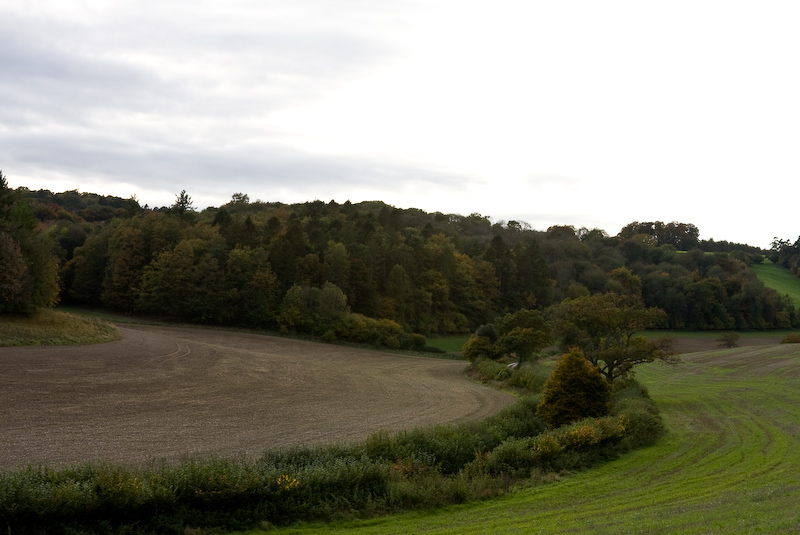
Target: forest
[[366, 272]]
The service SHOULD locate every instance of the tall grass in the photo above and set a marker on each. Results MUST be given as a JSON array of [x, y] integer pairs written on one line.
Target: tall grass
[[49, 327]]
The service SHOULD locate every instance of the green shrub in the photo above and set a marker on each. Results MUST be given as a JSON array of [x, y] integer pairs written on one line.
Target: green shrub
[[487, 331], [514, 457], [492, 371], [329, 336], [529, 377], [644, 425], [518, 421], [729, 339], [365, 330], [574, 446], [575, 390], [477, 348]]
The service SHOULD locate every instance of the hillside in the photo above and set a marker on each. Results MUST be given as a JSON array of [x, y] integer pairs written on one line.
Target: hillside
[[366, 272], [779, 279]]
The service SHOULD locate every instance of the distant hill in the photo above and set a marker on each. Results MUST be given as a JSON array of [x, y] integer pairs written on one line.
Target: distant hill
[[779, 279]]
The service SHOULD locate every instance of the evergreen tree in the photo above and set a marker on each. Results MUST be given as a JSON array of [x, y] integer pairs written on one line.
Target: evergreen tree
[[575, 390]]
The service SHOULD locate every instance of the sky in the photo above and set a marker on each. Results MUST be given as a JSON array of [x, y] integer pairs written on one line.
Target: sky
[[565, 112]]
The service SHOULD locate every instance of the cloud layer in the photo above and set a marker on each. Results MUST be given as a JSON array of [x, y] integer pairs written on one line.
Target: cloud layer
[[579, 113]]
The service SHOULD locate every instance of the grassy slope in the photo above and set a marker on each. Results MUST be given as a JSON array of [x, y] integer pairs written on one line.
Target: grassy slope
[[452, 343], [729, 464], [49, 327], [779, 278]]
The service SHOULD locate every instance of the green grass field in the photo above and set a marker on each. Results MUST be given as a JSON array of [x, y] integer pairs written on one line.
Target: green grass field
[[448, 343], [728, 465], [778, 278]]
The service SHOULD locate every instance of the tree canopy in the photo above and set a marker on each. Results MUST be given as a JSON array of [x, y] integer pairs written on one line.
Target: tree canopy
[[575, 390], [28, 268], [426, 272], [604, 326]]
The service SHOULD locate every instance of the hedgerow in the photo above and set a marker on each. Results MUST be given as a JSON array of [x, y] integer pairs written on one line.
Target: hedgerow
[[413, 469]]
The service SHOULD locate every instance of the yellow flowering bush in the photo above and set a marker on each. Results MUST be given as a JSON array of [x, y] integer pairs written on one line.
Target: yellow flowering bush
[[590, 432], [287, 483]]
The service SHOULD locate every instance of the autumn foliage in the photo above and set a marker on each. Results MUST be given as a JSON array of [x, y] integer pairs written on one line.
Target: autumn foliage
[[574, 391]]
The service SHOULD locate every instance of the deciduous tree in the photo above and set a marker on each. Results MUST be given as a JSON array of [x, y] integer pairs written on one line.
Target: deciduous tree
[[522, 334], [30, 269], [604, 328]]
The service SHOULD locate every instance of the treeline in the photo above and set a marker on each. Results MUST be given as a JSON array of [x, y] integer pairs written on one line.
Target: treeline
[[28, 269], [786, 254], [372, 272]]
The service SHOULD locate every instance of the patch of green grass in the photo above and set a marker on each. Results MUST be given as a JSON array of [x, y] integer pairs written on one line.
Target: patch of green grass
[[728, 464], [779, 279], [452, 343], [48, 327]]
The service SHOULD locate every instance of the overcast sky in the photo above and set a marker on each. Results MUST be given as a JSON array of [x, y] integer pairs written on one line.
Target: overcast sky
[[582, 113]]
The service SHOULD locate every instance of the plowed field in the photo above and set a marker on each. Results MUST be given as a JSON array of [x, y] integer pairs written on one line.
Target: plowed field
[[173, 393]]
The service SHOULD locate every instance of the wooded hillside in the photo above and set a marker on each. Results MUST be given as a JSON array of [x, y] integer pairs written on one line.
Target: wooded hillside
[[372, 272]]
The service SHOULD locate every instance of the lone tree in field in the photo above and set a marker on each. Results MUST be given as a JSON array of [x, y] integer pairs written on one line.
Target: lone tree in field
[[604, 328], [575, 390]]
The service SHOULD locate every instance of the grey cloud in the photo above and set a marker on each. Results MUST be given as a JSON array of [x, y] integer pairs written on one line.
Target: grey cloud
[[256, 172], [66, 70], [166, 97]]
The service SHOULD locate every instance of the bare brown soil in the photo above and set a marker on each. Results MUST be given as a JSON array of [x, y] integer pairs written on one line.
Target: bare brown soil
[[177, 393]]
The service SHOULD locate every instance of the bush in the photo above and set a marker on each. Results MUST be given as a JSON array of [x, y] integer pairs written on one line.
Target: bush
[[365, 330], [729, 339], [644, 425], [487, 331], [491, 370], [529, 377], [575, 390], [518, 421], [477, 348], [793, 338], [574, 446]]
